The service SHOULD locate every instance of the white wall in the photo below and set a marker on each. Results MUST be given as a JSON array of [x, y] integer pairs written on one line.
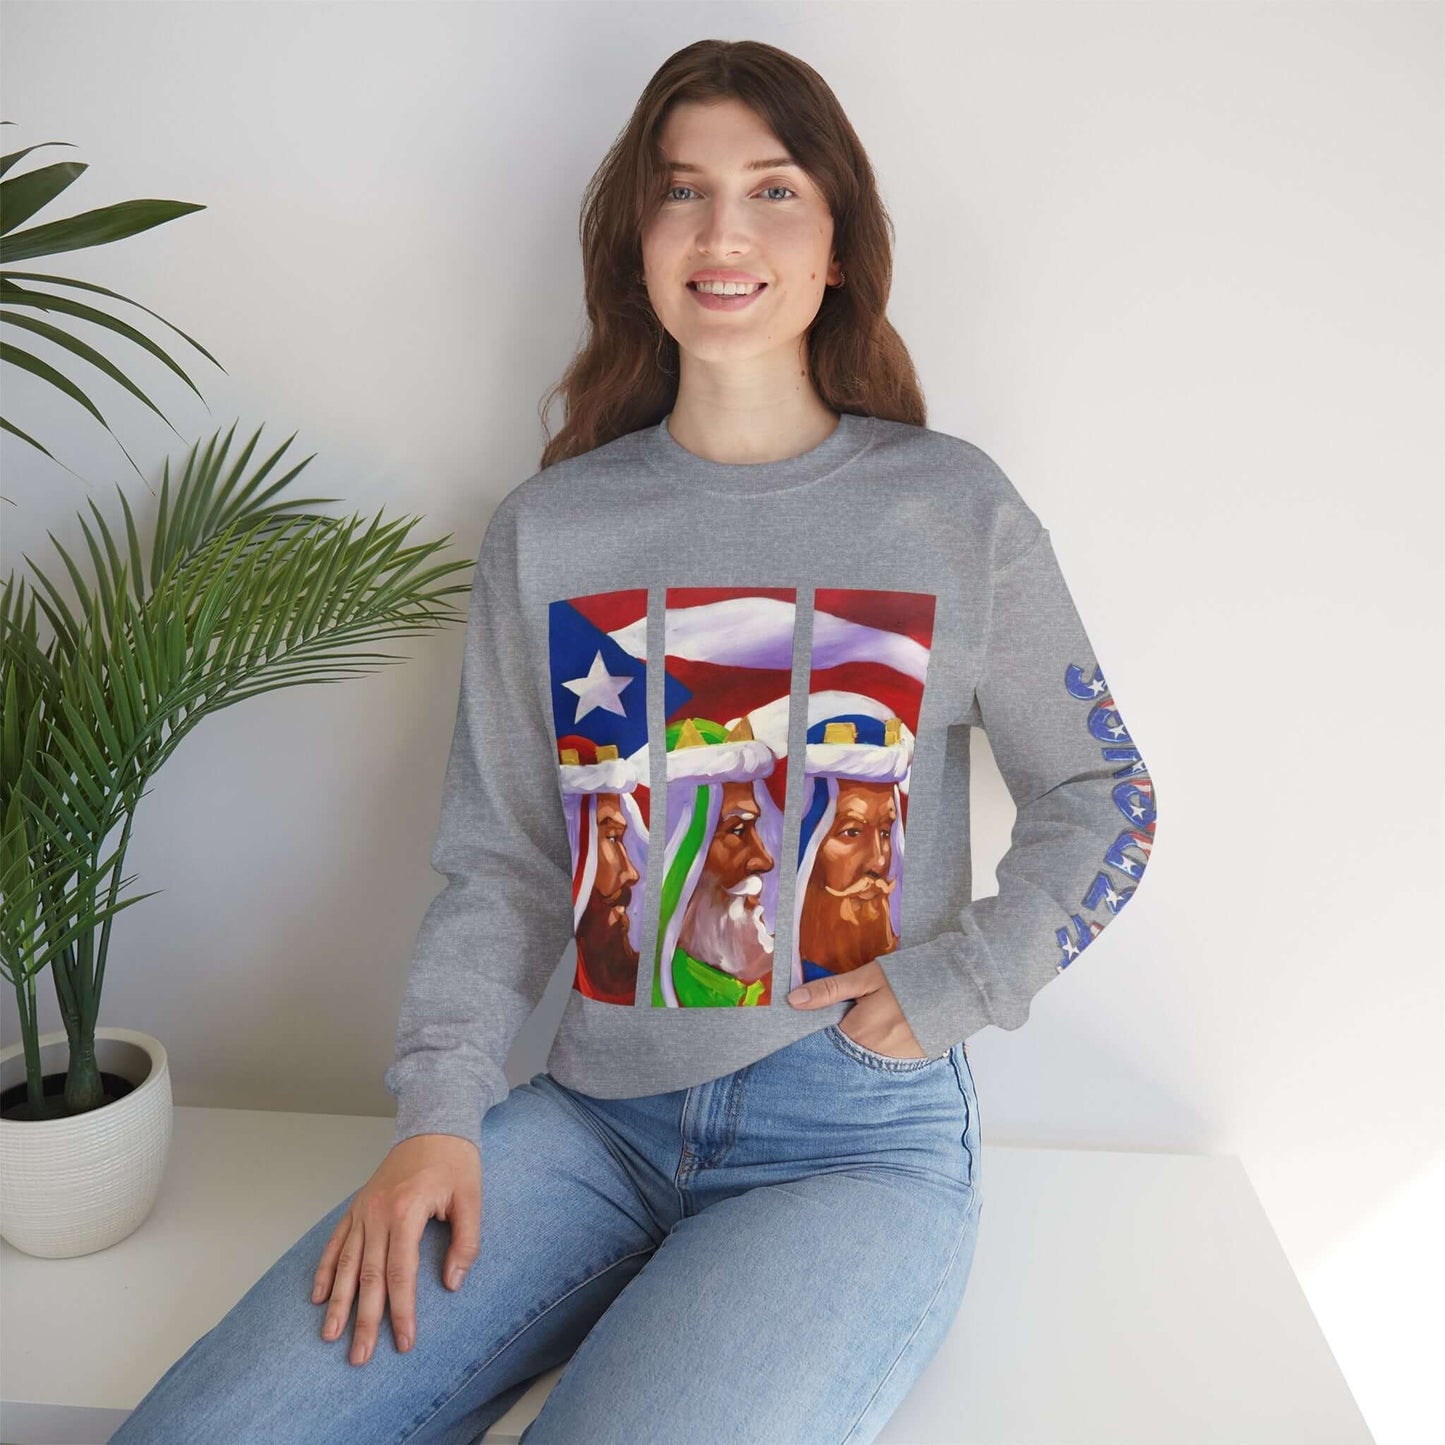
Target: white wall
[[1175, 266]]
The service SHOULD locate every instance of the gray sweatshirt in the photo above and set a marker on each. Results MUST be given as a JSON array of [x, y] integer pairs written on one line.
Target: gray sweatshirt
[[712, 742]]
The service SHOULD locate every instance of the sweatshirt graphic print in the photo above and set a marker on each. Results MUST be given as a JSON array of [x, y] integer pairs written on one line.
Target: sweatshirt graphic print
[[728, 663], [746, 768]]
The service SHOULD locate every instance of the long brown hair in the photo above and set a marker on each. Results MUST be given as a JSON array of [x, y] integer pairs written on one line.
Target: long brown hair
[[625, 373]]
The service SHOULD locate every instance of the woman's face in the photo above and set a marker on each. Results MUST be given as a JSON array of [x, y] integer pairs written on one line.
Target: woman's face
[[770, 223]]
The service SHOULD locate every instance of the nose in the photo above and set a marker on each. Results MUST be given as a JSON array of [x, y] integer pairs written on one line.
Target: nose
[[722, 233], [629, 875]]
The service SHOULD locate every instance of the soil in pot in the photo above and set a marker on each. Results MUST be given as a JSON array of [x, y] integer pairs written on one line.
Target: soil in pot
[[14, 1103]]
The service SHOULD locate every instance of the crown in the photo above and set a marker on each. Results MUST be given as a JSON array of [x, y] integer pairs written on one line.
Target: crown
[[606, 752], [689, 737], [846, 732]]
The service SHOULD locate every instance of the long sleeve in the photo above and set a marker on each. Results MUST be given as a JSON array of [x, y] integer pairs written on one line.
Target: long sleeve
[[1085, 815], [492, 938]]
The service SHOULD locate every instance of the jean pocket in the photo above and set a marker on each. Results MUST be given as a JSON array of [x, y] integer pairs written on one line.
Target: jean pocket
[[871, 1059]]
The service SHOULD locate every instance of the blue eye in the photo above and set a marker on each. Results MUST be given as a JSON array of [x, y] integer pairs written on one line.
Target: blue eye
[[779, 187]]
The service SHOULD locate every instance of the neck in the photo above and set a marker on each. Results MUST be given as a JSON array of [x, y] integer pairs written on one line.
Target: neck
[[749, 423]]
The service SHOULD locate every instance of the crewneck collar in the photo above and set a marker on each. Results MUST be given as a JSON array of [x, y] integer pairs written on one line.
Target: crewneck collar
[[671, 459]]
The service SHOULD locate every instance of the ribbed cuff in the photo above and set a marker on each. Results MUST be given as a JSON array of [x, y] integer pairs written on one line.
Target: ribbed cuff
[[941, 1004], [440, 1105]]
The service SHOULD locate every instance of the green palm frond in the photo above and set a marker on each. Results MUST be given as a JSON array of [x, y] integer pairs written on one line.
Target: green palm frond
[[204, 505], [21, 198], [241, 595]]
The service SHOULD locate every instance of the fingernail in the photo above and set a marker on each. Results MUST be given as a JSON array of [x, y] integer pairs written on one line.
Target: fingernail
[[317, 1295], [403, 1342], [798, 995], [454, 1279], [329, 1331]]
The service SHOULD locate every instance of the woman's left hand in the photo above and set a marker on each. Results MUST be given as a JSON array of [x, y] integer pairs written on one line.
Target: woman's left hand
[[877, 1019]]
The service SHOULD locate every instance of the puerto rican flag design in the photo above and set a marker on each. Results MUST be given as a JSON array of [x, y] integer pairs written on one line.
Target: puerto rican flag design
[[870, 654], [730, 653]]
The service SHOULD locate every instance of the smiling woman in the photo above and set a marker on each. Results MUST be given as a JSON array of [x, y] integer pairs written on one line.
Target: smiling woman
[[721, 648]]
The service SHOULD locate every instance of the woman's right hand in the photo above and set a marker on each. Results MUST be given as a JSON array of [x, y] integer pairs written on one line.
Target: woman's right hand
[[378, 1240]]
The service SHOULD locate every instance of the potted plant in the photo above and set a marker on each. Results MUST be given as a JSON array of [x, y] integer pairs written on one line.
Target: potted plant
[[240, 595]]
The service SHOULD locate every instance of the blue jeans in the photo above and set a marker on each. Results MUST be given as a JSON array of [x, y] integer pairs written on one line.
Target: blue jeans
[[772, 1256]]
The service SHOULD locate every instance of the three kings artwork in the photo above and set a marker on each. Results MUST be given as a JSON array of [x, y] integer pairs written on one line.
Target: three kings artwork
[[728, 667]]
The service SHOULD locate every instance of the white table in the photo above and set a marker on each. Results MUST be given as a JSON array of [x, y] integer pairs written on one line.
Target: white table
[[1115, 1299]]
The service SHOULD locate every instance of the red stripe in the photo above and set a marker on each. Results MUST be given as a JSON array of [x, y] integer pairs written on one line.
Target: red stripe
[[720, 692], [910, 613], [901, 694], [611, 610]]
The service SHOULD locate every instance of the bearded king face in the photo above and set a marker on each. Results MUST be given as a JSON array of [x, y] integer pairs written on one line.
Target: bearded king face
[[724, 923], [602, 932], [845, 920]]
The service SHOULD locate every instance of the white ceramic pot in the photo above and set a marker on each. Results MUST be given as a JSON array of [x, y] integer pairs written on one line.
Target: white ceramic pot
[[73, 1186]]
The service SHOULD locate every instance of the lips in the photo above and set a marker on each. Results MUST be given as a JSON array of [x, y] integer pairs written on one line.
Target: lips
[[722, 273], [710, 302]]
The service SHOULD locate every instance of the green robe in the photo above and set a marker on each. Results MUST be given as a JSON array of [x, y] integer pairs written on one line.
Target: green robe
[[702, 985]]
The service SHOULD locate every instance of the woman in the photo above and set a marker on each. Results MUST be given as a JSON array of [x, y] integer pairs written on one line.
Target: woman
[[743, 1199]]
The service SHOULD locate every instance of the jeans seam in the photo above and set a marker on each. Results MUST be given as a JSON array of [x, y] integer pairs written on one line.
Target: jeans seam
[[903, 1348], [511, 1340], [872, 1059], [607, 1144], [969, 1100], [591, 1123], [582, 1345], [685, 1155]]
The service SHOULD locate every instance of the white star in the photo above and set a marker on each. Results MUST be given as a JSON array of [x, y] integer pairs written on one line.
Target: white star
[[598, 689]]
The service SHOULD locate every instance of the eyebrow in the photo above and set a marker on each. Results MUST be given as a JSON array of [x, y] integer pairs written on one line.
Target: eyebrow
[[854, 816], [769, 165]]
